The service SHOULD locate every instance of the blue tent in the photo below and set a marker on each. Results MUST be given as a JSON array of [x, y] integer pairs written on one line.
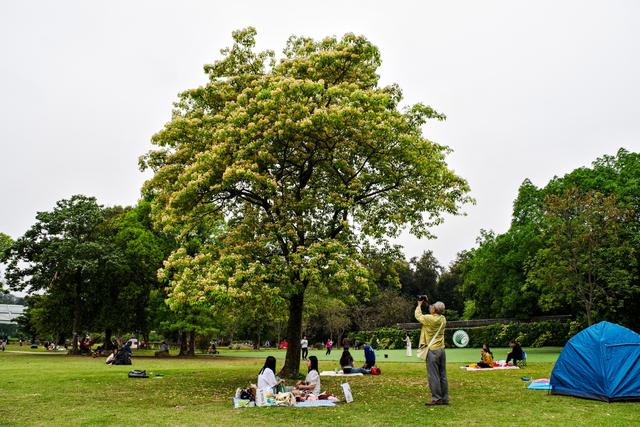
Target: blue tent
[[602, 363]]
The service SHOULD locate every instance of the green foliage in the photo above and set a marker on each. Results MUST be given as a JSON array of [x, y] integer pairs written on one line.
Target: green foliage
[[424, 276], [387, 308], [5, 243], [534, 334], [285, 170], [573, 248], [469, 309], [589, 258], [63, 255], [495, 274], [138, 254], [94, 267], [450, 286]]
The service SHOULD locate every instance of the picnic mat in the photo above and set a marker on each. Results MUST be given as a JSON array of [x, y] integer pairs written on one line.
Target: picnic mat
[[541, 384], [338, 374], [314, 403], [467, 368]]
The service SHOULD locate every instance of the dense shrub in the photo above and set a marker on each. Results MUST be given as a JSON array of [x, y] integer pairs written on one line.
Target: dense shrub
[[536, 334]]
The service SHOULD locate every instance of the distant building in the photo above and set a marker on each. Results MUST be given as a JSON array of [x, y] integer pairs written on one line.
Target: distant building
[[8, 315]]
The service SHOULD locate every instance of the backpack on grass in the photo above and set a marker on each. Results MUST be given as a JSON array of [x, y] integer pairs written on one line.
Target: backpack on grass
[[137, 373]]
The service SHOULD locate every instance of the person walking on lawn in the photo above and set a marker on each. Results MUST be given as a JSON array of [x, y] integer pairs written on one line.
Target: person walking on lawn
[[304, 344]]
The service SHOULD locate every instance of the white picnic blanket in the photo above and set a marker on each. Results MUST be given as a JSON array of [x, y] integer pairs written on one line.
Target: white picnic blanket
[[338, 374]]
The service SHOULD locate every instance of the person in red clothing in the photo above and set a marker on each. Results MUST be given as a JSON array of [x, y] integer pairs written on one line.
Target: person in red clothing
[[329, 346]]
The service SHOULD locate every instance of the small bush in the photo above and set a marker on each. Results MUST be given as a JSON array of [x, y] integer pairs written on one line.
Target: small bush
[[386, 343]]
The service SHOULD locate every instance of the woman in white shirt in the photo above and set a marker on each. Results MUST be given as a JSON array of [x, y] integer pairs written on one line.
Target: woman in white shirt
[[311, 384], [267, 377]]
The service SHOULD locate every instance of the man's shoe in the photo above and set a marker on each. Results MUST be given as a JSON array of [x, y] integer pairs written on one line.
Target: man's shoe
[[442, 402], [432, 403]]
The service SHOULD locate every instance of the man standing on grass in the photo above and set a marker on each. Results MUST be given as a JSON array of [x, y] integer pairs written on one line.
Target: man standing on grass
[[432, 338], [304, 344]]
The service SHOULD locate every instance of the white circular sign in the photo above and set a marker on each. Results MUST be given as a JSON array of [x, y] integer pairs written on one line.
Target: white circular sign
[[460, 338]]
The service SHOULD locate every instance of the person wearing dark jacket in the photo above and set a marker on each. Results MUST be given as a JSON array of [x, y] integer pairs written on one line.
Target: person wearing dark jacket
[[369, 357], [346, 363], [516, 352], [121, 358]]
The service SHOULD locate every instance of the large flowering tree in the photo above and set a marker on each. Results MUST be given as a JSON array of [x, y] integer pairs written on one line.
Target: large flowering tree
[[282, 171]]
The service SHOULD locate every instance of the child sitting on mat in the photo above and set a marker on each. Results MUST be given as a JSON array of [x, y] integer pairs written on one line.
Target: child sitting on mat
[[486, 357]]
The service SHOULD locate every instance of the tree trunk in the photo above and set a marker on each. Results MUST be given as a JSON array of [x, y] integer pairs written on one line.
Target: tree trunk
[[192, 343], [108, 345], [74, 327], [183, 344], [294, 334], [256, 344]]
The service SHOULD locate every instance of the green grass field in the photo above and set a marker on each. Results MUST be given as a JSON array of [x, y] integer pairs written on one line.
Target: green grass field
[[52, 388]]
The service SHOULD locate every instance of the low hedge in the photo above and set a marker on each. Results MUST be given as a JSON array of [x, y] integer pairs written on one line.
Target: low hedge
[[389, 338], [535, 334]]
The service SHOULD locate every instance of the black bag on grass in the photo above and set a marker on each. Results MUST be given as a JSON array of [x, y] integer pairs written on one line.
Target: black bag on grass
[[137, 373]]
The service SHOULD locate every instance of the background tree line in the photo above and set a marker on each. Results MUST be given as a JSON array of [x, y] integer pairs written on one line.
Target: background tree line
[[90, 269], [572, 248]]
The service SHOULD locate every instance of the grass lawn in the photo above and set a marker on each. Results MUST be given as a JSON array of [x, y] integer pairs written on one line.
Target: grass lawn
[[49, 388], [458, 355]]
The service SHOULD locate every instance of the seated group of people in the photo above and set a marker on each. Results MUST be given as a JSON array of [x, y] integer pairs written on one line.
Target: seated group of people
[[309, 389], [486, 355], [120, 356], [50, 345], [85, 345], [346, 361]]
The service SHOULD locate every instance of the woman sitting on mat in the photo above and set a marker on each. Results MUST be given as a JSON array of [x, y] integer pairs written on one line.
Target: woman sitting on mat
[[267, 379], [486, 357], [311, 384], [346, 363]]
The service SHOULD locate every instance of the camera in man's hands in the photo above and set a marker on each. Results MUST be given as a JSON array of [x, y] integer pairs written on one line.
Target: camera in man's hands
[[423, 298]]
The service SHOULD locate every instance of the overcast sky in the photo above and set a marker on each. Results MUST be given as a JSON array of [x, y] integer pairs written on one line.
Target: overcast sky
[[531, 89]]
